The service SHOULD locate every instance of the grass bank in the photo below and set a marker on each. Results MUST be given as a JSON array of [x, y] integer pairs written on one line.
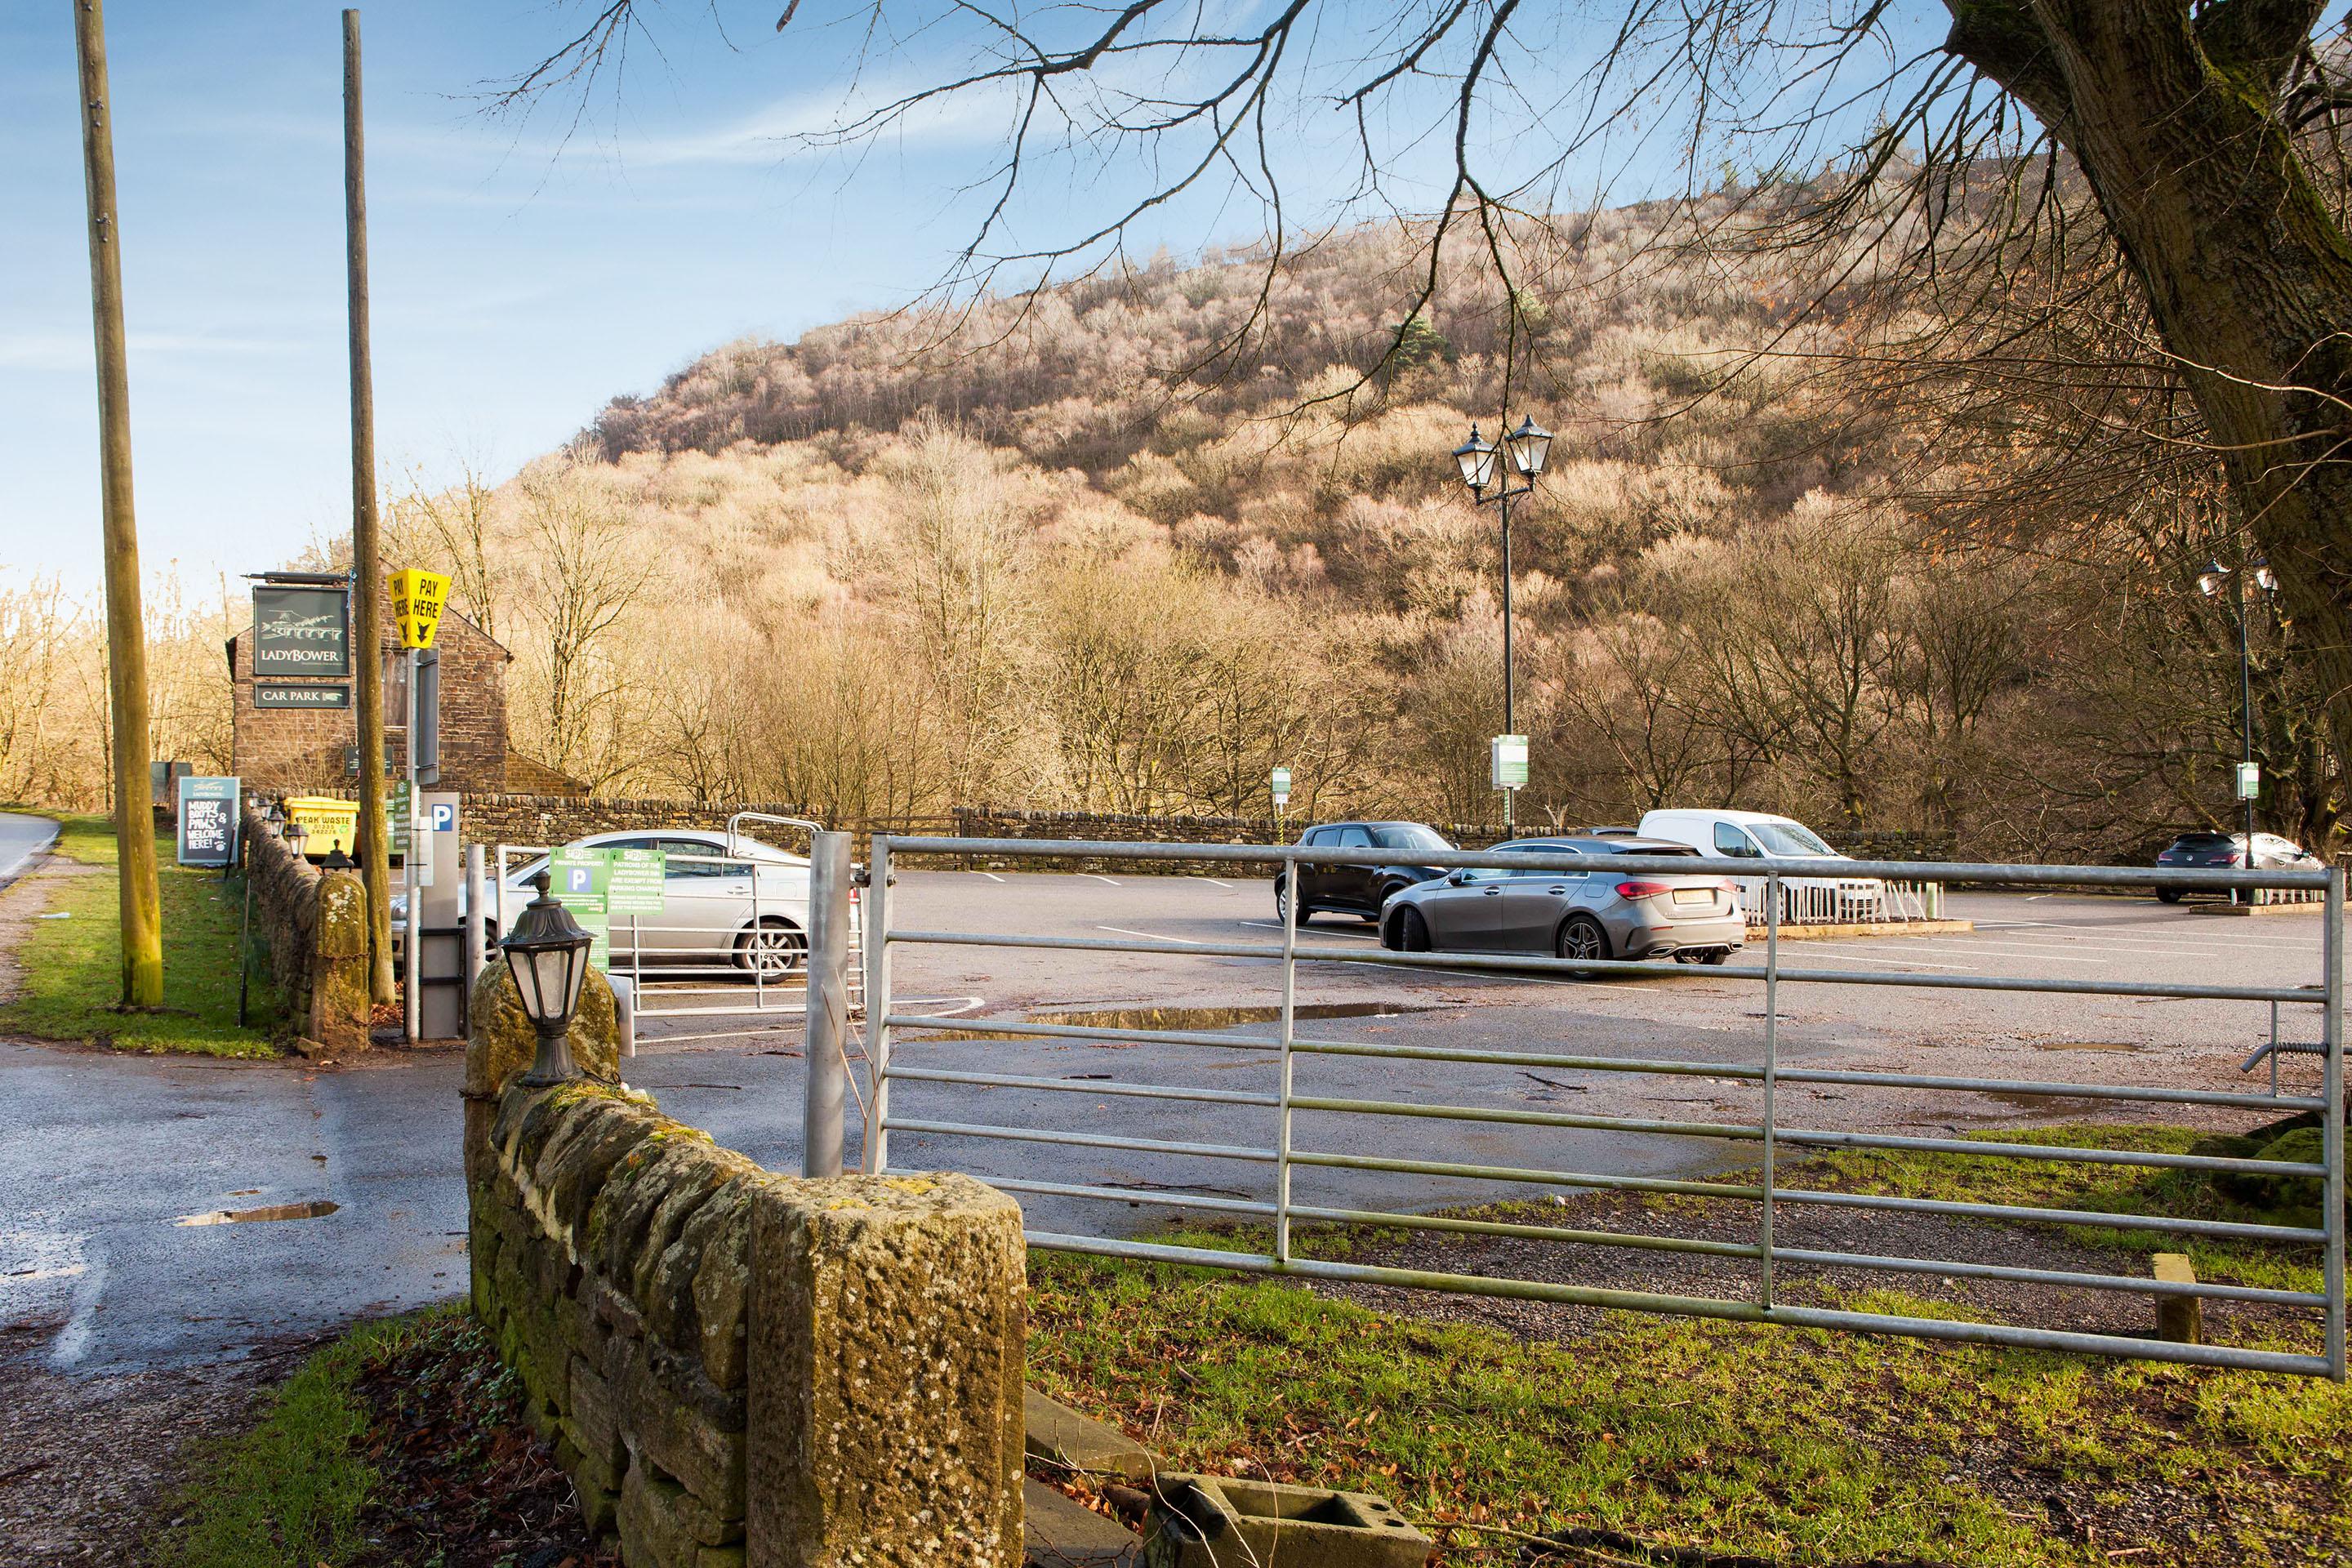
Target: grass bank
[[70, 960]]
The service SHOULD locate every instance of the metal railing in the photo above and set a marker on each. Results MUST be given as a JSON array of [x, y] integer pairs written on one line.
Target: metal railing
[[1283, 1154], [1839, 899]]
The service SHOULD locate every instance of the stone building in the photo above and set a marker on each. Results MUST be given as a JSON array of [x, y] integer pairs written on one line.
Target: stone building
[[312, 750]]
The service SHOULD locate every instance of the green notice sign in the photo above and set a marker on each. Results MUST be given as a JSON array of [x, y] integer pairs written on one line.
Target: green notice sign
[[578, 879], [636, 881]]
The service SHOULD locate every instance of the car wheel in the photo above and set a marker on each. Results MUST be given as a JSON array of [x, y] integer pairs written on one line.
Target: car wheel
[[771, 950], [1412, 931], [1581, 936], [2167, 895]]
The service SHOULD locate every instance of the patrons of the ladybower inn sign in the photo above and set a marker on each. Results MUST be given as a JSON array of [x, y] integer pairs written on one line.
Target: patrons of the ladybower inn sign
[[302, 631]]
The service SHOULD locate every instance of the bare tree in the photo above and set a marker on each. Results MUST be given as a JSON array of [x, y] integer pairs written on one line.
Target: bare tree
[[584, 580]]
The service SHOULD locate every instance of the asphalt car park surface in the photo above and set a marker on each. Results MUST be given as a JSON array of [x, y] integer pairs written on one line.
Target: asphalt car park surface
[[112, 1154]]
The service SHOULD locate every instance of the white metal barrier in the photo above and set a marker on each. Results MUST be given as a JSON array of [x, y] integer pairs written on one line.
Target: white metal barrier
[[1283, 1156]]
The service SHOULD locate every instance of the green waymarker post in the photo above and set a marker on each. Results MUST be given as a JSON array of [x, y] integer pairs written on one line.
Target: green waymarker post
[[597, 884]]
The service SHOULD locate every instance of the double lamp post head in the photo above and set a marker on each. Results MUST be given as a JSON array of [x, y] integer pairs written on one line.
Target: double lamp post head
[[1484, 465], [2210, 581]]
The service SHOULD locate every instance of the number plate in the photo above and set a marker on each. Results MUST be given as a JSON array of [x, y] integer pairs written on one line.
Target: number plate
[[1694, 894]]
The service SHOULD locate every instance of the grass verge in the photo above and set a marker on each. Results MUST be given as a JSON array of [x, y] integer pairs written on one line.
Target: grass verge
[[403, 1443], [287, 1494], [1785, 1445], [71, 962]]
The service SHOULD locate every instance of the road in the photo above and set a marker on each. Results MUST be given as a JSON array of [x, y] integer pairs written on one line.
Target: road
[[22, 837], [110, 1154]]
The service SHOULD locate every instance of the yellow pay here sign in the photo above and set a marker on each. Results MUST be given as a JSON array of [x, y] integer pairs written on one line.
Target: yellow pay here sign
[[417, 598]]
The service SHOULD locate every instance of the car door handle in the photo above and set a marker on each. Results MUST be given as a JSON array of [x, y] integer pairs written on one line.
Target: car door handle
[[1493, 892], [1559, 892]]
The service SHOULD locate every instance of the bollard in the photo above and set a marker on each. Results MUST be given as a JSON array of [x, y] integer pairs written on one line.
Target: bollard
[[2180, 1318], [828, 1004]]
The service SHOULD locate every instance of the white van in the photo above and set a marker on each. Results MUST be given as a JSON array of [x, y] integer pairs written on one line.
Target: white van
[[1757, 835]]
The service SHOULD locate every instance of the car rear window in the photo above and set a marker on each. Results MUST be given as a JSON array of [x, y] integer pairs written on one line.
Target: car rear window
[[2203, 841], [1651, 849]]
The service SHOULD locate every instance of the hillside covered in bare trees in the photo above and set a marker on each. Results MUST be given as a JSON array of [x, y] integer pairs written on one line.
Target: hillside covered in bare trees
[[1126, 544]]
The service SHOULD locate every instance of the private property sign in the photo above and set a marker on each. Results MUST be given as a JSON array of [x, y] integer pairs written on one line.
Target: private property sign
[[302, 631]]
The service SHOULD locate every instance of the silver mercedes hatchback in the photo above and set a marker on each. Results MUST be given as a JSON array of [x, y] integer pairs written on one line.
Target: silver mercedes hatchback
[[1598, 913]]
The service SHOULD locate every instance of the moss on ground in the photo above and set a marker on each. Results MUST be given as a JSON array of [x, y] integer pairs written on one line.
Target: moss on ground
[[70, 965]]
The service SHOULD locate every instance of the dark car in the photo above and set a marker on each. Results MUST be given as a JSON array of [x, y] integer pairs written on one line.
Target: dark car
[[1601, 913], [2204, 848], [1330, 887]]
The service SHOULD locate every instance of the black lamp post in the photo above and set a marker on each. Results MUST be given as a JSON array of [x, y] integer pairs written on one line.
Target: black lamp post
[[1485, 466], [547, 954], [2208, 582]]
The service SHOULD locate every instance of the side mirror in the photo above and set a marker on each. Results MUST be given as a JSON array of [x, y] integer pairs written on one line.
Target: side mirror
[[1459, 879]]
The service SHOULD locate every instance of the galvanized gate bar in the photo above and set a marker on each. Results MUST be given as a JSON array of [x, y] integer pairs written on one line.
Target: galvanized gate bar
[[1531, 965], [2207, 881], [2331, 1191]]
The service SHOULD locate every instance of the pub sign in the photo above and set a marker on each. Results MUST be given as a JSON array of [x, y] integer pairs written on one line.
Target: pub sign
[[302, 631]]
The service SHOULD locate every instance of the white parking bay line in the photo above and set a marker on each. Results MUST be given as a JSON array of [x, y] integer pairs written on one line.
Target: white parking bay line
[[1836, 955], [1149, 935], [989, 875], [1366, 934], [1216, 883], [1960, 946], [1099, 877]]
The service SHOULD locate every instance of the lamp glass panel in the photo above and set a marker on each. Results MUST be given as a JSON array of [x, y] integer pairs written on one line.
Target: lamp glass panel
[[526, 979], [2265, 579], [2210, 583], [1477, 461], [576, 957], [1529, 445], [551, 964]]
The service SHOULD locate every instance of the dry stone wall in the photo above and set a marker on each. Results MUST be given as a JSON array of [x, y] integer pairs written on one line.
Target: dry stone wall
[[314, 925], [743, 1368]]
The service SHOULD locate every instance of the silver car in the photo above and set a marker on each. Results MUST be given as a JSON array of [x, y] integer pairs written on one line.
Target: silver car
[[1572, 914], [730, 904]]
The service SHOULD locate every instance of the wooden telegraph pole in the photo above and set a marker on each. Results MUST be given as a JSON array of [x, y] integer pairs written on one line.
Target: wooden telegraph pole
[[126, 627], [367, 553]]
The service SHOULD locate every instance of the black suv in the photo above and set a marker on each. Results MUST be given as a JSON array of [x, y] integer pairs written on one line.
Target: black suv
[[1360, 889]]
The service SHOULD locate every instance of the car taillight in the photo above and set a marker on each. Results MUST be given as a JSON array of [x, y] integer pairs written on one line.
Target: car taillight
[[1642, 889], [1728, 886]]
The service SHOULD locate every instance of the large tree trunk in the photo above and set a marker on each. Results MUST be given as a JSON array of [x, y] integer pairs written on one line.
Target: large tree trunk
[[2248, 274]]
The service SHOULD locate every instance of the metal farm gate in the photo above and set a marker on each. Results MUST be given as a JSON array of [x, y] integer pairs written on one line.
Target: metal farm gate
[[1256, 1128]]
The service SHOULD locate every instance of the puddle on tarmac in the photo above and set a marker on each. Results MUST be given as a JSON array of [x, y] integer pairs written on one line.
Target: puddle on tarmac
[[1192, 1018], [315, 1208]]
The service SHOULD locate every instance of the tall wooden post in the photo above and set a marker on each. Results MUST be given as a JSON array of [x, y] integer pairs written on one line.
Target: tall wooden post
[[126, 626], [367, 553]]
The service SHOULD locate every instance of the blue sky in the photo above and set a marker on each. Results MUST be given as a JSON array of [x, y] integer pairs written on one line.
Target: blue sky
[[515, 289]]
